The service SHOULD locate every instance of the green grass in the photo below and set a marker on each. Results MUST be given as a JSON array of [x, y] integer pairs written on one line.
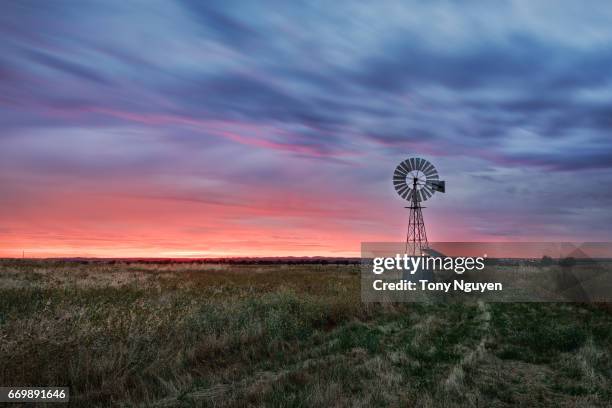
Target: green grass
[[285, 336]]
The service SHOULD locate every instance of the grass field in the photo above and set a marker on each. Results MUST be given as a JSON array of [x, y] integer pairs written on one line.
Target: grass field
[[166, 335]]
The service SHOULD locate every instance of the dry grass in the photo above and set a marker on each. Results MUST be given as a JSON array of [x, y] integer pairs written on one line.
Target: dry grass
[[286, 336]]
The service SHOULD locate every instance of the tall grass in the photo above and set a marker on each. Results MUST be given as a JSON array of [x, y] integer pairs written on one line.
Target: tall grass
[[280, 335]]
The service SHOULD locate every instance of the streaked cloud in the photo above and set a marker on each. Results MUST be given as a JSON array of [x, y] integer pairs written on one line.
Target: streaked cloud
[[279, 120]]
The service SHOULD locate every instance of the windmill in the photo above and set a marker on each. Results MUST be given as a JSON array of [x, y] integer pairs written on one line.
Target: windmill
[[416, 180]]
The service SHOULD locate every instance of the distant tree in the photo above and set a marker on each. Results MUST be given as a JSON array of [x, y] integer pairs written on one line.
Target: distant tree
[[546, 260], [567, 262]]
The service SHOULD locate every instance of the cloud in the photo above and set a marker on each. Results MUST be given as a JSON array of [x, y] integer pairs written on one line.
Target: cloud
[[67, 67], [315, 100]]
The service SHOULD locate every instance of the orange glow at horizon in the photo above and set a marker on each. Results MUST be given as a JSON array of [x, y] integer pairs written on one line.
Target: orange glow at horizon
[[122, 225]]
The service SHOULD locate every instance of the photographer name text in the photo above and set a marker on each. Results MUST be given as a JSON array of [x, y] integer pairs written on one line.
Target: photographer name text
[[425, 285]]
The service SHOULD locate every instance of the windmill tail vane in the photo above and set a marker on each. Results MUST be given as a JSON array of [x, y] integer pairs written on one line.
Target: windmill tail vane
[[416, 180]]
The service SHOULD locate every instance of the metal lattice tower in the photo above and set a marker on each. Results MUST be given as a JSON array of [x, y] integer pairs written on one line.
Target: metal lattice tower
[[416, 180], [416, 237]]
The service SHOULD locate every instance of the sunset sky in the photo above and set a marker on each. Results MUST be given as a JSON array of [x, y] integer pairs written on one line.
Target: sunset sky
[[189, 129]]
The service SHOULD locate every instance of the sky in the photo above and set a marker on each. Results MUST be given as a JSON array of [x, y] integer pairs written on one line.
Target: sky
[[204, 128]]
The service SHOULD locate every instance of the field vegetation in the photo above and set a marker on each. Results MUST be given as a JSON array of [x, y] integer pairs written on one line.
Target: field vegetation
[[229, 335]]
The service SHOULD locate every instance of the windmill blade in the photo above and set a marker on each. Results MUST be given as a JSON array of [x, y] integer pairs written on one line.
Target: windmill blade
[[412, 163], [429, 168], [404, 193], [423, 195], [419, 164], [399, 185], [424, 165], [429, 191], [400, 170], [401, 189], [431, 172]]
